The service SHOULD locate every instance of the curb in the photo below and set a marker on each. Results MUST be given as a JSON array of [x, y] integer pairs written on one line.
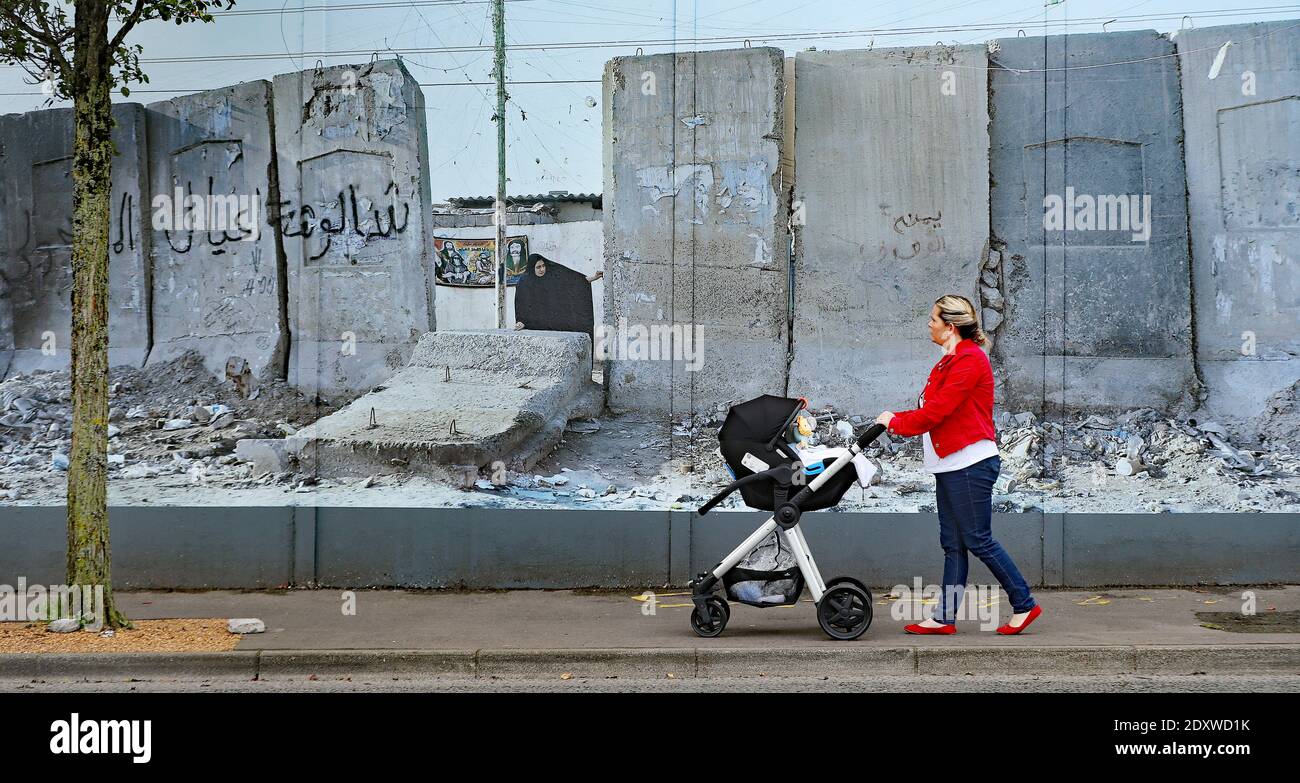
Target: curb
[[841, 663], [239, 663]]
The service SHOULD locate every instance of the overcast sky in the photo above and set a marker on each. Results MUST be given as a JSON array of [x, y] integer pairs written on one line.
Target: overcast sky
[[558, 146]]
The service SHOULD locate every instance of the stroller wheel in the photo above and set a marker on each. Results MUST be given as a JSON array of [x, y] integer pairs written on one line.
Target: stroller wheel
[[844, 612], [711, 626]]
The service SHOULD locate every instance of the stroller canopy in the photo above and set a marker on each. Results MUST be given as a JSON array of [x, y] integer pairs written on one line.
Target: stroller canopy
[[757, 420], [746, 443]]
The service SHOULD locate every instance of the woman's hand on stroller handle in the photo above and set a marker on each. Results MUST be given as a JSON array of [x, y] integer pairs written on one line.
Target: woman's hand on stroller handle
[[873, 432]]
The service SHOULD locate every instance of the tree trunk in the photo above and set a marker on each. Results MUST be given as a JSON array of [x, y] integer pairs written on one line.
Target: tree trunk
[[92, 161]]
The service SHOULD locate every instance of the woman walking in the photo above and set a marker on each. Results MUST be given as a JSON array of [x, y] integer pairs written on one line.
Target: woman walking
[[954, 417]]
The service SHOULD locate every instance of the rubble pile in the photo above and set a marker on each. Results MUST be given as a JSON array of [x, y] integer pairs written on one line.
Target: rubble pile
[[1191, 465], [1279, 424], [175, 426], [170, 418]]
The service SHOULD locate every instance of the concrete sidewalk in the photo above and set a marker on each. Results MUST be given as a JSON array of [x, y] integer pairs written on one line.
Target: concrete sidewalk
[[594, 634]]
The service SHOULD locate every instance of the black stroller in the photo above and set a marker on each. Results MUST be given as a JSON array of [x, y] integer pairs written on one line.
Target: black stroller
[[773, 474]]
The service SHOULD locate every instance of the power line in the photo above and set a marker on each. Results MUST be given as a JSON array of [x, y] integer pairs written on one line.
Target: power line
[[824, 35], [352, 7], [1211, 13]]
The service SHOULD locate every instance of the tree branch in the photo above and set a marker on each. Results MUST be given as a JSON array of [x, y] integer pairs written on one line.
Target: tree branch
[[127, 24], [17, 21], [53, 43]]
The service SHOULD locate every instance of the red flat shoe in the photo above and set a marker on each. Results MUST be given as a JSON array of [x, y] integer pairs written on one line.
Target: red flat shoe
[[921, 629], [1009, 629]]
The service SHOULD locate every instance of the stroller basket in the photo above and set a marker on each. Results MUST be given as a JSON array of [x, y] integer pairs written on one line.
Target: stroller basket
[[764, 588], [767, 576]]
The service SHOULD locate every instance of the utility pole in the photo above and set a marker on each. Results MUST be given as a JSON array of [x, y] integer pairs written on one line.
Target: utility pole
[[499, 60]]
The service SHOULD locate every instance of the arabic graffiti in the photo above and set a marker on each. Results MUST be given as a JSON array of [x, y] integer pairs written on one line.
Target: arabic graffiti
[[334, 226], [909, 220], [125, 224], [43, 259], [63, 230], [929, 243], [915, 249], [213, 211]]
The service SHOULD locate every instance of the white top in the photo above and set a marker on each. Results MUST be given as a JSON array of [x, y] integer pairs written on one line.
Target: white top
[[961, 458]]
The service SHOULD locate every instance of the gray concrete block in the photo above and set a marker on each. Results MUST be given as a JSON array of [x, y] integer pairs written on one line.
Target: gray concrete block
[[204, 547], [1179, 549], [353, 163], [694, 211], [475, 548], [166, 547], [892, 147], [729, 356], [1240, 388], [36, 180], [38, 547], [466, 400], [218, 284], [1074, 292], [263, 547], [1243, 183]]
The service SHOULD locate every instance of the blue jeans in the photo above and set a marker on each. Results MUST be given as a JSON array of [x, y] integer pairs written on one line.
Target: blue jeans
[[965, 501]]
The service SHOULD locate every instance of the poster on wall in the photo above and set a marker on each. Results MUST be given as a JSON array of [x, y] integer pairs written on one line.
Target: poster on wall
[[459, 261]]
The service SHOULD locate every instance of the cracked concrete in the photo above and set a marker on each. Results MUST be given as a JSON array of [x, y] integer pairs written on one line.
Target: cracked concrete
[[465, 401]]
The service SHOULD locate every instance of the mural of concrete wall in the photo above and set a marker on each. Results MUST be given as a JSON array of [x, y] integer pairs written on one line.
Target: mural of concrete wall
[[1241, 115], [694, 214], [217, 288], [338, 247], [36, 239], [892, 148], [576, 245], [354, 215], [1097, 307]]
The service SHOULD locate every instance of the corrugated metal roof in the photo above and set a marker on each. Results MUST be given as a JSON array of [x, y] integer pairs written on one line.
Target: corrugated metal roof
[[554, 197]]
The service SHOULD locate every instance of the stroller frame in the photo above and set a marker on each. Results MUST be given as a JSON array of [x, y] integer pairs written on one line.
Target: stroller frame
[[793, 538], [849, 595]]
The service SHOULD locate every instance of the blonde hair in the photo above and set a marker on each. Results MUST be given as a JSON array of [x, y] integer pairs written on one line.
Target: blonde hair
[[958, 311]]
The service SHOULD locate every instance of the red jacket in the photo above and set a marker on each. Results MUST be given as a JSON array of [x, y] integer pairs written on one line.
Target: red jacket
[[958, 405]]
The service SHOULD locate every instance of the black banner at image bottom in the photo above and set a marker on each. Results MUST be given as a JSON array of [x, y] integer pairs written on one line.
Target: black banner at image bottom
[[170, 731]]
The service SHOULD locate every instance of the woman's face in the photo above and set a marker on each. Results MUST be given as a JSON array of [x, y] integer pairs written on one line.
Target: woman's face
[[539, 268], [939, 330]]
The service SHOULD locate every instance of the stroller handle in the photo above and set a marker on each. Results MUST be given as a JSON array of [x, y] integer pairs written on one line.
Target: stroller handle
[[873, 432], [778, 473]]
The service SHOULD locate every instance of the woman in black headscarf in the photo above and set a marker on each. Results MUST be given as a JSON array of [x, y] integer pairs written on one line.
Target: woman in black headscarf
[[553, 297]]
